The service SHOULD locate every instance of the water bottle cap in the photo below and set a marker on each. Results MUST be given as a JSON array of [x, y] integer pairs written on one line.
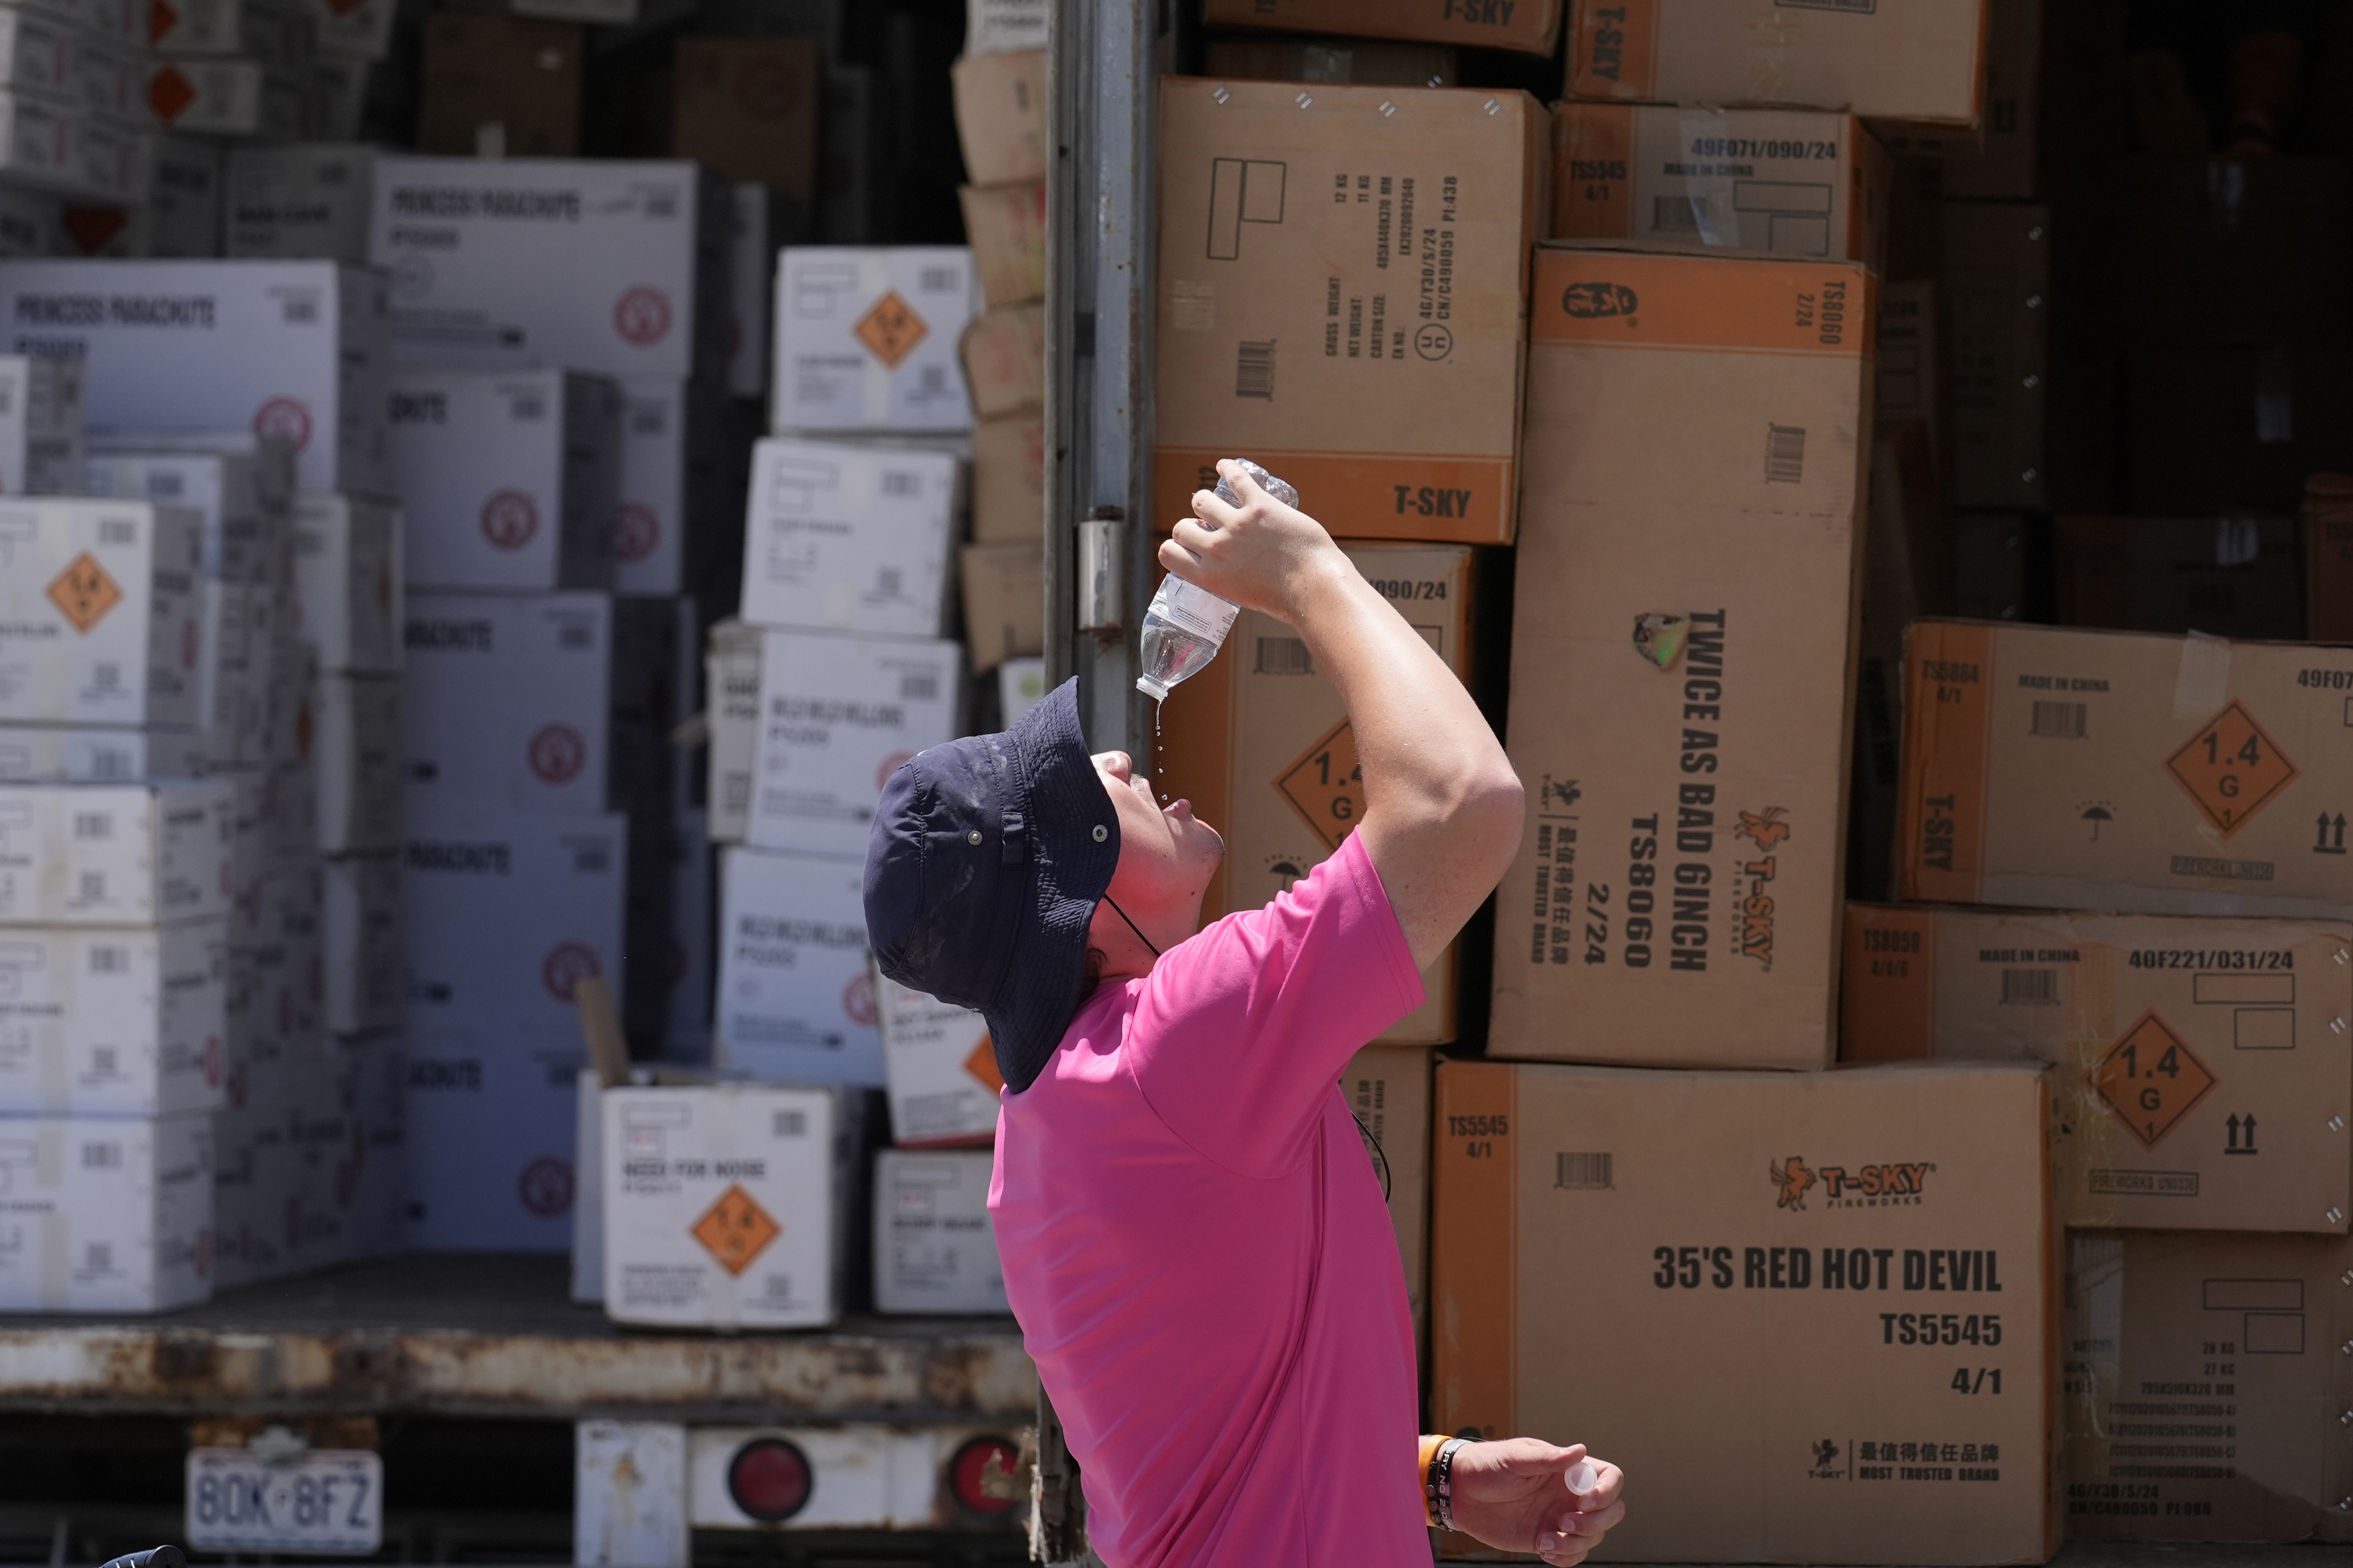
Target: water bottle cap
[[1582, 1477], [1151, 688]]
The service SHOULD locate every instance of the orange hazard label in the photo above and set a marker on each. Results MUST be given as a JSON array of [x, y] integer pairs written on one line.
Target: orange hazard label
[[85, 593], [2231, 768], [169, 93], [982, 1063], [1326, 785], [892, 329], [2151, 1079], [736, 1229]]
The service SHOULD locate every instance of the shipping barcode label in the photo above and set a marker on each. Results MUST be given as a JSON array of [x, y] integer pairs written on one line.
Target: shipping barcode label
[[117, 531], [935, 378], [887, 580], [902, 482], [1785, 454], [2029, 987], [108, 764], [2058, 721], [1582, 1173], [106, 676], [920, 685], [302, 308], [1284, 655], [791, 1124], [1254, 371], [107, 1156], [780, 1287], [936, 281], [98, 1258], [108, 960], [93, 825], [94, 888]]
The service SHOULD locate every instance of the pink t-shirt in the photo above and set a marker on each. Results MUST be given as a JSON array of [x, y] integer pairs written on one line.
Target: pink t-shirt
[[1195, 1242]]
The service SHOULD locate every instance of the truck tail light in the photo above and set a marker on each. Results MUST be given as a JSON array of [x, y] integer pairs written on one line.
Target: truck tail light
[[769, 1479], [981, 1468]]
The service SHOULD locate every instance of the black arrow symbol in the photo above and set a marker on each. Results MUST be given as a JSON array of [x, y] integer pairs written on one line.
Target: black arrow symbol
[[2236, 1125], [2327, 822]]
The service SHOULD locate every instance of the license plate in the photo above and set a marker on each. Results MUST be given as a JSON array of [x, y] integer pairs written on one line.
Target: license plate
[[327, 1501]]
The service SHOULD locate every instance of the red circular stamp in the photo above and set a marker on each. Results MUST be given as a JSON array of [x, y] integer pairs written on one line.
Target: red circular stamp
[[892, 765], [642, 316], [545, 1186], [567, 966], [510, 519], [639, 534], [557, 754], [287, 416], [858, 1000]]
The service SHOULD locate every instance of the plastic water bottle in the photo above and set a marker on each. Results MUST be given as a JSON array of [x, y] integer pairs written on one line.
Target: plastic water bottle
[[1186, 623]]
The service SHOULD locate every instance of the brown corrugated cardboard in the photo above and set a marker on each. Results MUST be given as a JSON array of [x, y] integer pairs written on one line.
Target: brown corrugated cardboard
[[1997, 159], [1361, 61], [1532, 26], [2229, 577], [1681, 660], [2328, 557], [1003, 601], [1896, 60], [1261, 744], [1810, 1314], [1343, 297], [748, 108], [1721, 182], [1387, 1090], [502, 86], [2111, 770], [1000, 114], [1004, 355], [1008, 479], [2205, 1388], [1006, 227], [2204, 1078]]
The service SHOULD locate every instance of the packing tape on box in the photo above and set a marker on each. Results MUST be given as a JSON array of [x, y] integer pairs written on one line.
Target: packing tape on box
[[2095, 1291], [2096, 1132], [1708, 179], [2202, 683]]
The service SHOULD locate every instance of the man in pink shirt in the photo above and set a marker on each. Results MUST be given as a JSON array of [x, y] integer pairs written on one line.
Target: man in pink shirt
[[1193, 1240]]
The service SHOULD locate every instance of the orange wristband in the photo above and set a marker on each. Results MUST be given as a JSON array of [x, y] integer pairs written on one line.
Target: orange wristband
[[1429, 1446]]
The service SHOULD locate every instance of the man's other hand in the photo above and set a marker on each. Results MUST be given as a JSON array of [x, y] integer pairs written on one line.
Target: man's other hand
[[1514, 1494]]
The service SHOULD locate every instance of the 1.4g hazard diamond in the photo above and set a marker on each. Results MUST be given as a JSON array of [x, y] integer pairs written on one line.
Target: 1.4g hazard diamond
[[2231, 768], [84, 592], [2151, 1079], [891, 328], [736, 1229], [1326, 785]]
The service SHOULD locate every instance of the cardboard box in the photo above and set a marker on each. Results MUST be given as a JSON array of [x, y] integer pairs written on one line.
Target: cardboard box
[[694, 919], [144, 854], [2232, 428], [838, 715], [55, 754], [756, 238], [748, 108], [1360, 61], [225, 98], [353, 29], [1261, 744], [1007, 227], [234, 704], [504, 912], [268, 457], [101, 619], [2002, 161], [1004, 357], [2200, 1059], [498, 87], [1738, 182], [2109, 770], [65, 150], [796, 1000], [40, 428], [311, 199], [724, 1206], [866, 338], [1004, 602], [362, 933], [510, 702], [934, 1248], [1530, 27], [359, 752], [350, 602], [29, 225], [1000, 114], [1853, 1221], [113, 1022], [1008, 479], [2230, 576], [2228, 251], [731, 676], [38, 54], [490, 1115], [1897, 59], [2327, 557], [614, 267], [510, 479], [1344, 297], [1697, 433], [674, 451], [1002, 27], [1021, 685], [939, 1068], [1388, 1091], [288, 348], [183, 180], [2205, 1388], [111, 1215], [850, 538], [242, 520], [267, 31]]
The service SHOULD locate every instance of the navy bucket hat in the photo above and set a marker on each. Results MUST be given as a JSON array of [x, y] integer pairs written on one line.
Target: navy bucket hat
[[985, 861]]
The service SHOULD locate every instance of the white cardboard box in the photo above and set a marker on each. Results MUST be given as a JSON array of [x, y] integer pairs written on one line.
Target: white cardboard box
[[866, 338], [505, 910], [1006, 26], [751, 282], [349, 30], [60, 754], [181, 174], [360, 754], [838, 715], [87, 854], [310, 200], [41, 420], [260, 29], [795, 997], [225, 98], [617, 267], [271, 456], [37, 54], [935, 1249], [723, 1206], [105, 1215], [363, 929], [350, 597], [731, 683], [229, 490], [510, 479], [370, 1076], [296, 349], [1021, 685], [692, 915], [673, 448], [100, 621], [232, 675], [66, 149], [29, 224], [940, 1067], [490, 1116], [509, 701], [849, 538], [116, 1021]]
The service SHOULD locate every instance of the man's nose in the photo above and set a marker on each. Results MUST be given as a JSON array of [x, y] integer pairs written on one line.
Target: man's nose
[[1118, 765]]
